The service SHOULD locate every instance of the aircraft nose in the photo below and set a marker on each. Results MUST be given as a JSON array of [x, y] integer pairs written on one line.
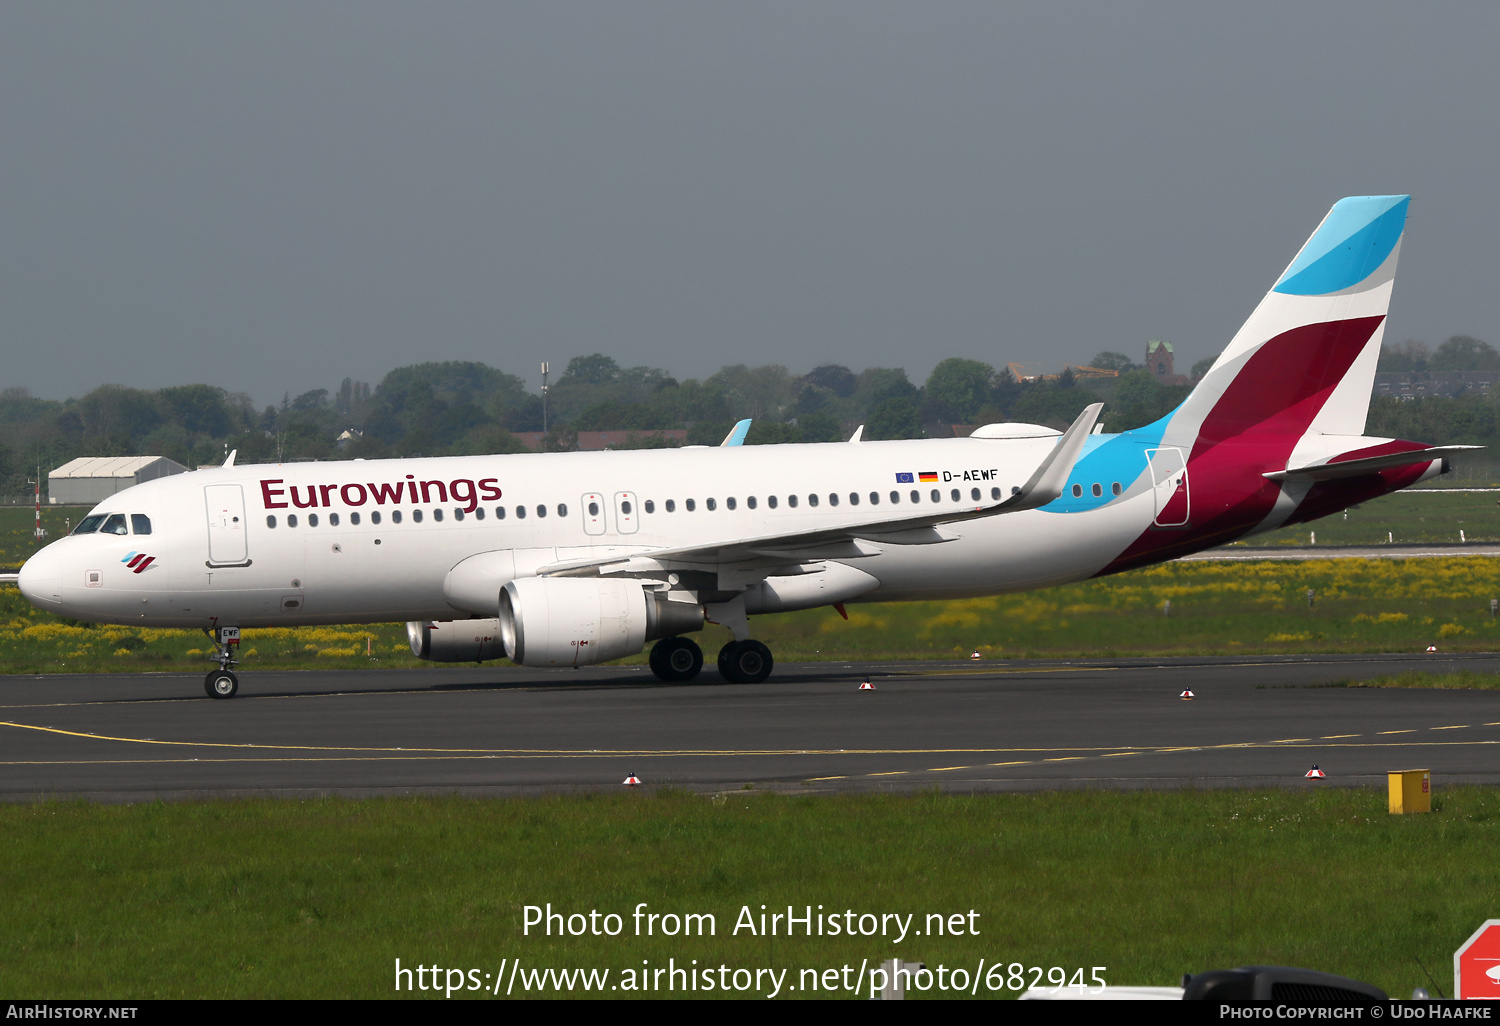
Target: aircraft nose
[[40, 579]]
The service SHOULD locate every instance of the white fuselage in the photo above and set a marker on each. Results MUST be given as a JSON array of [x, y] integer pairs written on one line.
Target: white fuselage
[[207, 569]]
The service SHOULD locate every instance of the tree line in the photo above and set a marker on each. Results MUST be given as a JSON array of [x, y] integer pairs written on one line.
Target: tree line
[[466, 408]]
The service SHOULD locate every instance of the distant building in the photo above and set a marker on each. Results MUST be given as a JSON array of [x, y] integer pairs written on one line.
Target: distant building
[[593, 441], [1159, 363], [91, 479], [1408, 385]]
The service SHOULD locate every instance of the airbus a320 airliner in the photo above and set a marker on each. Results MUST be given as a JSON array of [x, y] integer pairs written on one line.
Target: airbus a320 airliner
[[568, 559]]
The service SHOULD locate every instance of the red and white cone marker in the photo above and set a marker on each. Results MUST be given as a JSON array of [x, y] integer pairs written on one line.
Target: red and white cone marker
[[632, 781], [976, 655], [1187, 696], [867, 686], [1432, 648], [1315, 773]]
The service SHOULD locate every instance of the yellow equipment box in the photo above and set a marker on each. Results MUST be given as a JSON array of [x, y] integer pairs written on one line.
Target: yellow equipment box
[[1411, 791]]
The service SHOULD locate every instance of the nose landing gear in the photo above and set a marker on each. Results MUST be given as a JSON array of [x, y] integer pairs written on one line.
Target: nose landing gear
[[222, 683]]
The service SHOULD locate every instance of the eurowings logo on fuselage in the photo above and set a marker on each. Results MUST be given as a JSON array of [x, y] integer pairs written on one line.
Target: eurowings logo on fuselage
[[464, 490], [136, 562]]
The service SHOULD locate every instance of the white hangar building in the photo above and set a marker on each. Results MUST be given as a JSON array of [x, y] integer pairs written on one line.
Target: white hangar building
[[91, 479]]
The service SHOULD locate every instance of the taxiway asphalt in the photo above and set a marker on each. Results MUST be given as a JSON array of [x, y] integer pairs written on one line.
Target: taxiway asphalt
[[957, 726]]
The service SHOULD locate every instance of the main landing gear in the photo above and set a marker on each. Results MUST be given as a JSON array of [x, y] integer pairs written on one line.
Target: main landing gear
[[745, 662], [740, 662], [222, 683], [676, 659]]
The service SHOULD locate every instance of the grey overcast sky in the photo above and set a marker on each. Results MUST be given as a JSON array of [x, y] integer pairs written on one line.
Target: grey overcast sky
[[272, 196]]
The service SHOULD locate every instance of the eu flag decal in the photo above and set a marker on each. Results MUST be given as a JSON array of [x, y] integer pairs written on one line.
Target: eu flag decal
[[904, 479]]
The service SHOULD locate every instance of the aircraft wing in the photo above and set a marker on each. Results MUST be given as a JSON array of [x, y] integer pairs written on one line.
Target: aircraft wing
[[858, 538]]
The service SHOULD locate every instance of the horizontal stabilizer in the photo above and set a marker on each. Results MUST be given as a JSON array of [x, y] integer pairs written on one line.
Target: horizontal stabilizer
[[1355, 468]]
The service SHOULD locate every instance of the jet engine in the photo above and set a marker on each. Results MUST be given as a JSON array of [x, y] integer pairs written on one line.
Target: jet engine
[[455, 641], [561, 621]]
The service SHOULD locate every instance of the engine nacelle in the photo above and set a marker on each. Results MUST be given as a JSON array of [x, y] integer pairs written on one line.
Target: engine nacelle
[[563, 621], [455, 641]]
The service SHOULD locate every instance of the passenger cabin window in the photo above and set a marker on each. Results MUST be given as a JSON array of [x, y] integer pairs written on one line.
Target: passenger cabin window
[[954, 493], [995, 493], [562, 509], [416, 516], [937, 496], [895, 498], [312, 520], [650, 505], [114, 525], [499, 512], [270, 520], [88, 525], [728, 502], [691, 505], [354, 519], [333, 520], [437, 515], [140, 523], [478, 512], [833, 498], [791, 500], [974, 494], [541, 510], [1077, 491], [750, 502], [771, 502], [712, 505], [291, 520], [671, 505], [1115, 488], [520, 512]]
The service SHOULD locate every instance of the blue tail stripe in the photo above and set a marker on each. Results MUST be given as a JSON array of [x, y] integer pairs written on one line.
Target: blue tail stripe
[[1355, 239]]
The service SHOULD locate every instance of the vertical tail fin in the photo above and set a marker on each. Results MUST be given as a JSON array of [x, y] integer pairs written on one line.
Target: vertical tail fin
[[1305, 360]]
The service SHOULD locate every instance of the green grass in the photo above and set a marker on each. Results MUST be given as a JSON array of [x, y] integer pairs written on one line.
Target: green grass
[[1415, 515], [1463, 680], [18, 524], [273, 898]]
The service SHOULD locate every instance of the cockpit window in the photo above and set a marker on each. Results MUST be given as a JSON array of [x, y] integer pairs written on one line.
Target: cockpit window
[[114, 525], [88, 525], [140, 523]]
